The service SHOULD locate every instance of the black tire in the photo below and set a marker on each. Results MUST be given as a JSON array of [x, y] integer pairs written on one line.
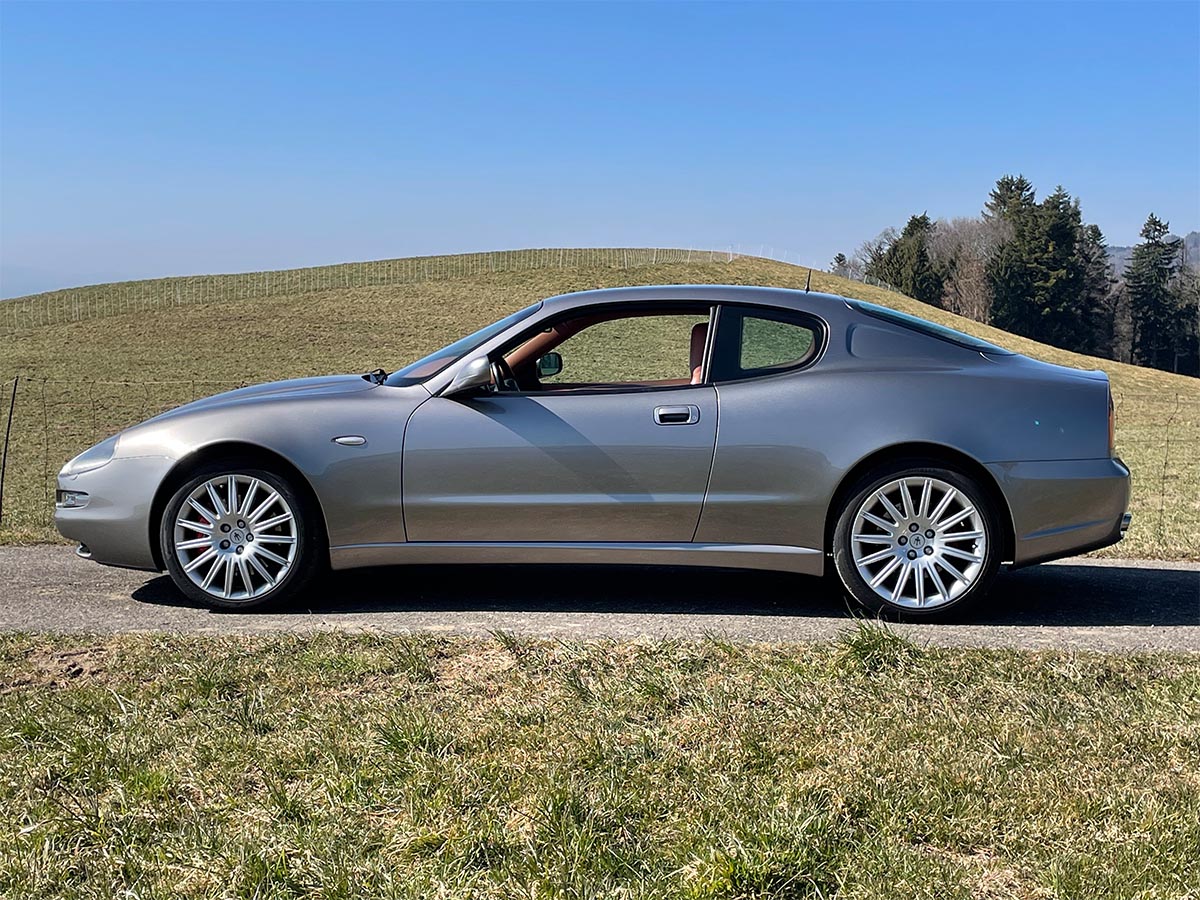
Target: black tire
[[861, 591], [308, 563]]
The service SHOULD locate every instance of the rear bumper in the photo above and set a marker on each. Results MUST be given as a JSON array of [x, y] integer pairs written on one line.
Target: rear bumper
[[1063, 508]]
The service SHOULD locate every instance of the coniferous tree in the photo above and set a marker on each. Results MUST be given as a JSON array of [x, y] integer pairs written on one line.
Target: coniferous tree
[[1012, 196], [840, 265], [906, 264], [1009, 273], [1187, 290], [1155, 299], [1038, 276], [1098, 299], [1054, 306]]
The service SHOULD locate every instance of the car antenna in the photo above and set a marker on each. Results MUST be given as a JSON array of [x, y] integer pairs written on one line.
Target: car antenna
[[808, 281]]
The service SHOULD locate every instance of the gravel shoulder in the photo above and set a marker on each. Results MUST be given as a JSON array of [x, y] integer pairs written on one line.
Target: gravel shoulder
[[1111, 605]]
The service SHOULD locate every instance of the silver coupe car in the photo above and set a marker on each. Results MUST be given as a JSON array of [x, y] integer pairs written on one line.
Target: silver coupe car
[[740, 427]]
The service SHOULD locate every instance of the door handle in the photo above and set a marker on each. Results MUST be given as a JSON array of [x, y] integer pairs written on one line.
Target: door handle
[[676, 415]]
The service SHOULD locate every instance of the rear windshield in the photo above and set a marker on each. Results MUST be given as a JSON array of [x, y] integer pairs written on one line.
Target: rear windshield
[[920, 325]]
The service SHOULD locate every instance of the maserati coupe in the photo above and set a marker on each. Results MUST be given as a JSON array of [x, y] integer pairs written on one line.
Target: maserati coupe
[[743, 427]]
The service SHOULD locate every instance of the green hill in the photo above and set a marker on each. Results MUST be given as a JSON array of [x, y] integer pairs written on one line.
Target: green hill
[[95, 359]]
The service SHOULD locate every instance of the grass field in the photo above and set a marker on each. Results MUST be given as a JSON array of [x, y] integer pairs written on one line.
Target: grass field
[[86, 379], [346, 766]]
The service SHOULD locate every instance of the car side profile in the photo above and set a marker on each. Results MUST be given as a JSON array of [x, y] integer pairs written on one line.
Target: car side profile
[[729, 426]]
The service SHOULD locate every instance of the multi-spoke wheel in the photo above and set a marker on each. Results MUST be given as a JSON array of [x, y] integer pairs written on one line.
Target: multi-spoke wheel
[[237, 537], [916, 540]]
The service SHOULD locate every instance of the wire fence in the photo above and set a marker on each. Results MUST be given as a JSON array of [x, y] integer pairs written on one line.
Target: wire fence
[[45, 422], [97, 301]]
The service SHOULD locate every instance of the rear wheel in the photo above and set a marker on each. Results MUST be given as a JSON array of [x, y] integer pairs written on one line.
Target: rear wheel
[[918, 541], [236, 537]]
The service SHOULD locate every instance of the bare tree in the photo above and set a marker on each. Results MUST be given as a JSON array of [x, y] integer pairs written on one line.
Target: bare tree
[[1122, 324], [961, 249], [871, 252]]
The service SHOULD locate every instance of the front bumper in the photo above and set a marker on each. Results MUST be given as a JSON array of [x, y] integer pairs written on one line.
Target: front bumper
[[1064, 508], [114, 526]]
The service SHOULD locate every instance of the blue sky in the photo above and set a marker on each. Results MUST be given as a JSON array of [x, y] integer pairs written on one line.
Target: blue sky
[[141, 140]]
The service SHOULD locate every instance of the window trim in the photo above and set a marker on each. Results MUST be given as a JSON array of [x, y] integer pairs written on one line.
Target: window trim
[[618, 306], [726, 355]]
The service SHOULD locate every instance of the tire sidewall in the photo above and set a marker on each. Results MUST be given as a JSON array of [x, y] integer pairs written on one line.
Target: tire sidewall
[[862, 593], [299, 573]]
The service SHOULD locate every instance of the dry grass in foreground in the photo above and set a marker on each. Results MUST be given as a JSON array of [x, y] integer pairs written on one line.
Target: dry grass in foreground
[[350, 766]]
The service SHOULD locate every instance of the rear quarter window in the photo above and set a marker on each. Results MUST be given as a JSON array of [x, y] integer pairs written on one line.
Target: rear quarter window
[[770, 343], [930, 329], [753, 342]]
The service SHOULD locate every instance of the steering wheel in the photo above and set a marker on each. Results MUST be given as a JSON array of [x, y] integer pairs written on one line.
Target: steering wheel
[[502, 376]]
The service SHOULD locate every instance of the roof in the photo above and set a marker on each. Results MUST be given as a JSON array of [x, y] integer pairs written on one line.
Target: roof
[[768, 296]]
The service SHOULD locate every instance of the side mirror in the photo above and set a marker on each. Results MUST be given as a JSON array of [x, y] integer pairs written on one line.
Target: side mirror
[[475, 374], [549, 365]]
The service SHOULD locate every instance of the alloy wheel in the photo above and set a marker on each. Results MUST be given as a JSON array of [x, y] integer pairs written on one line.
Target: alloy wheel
[[235, 537], [919, 542]]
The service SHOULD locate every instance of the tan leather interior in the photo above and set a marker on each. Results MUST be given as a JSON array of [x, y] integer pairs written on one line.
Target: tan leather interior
[[696, 351], [526, 354]]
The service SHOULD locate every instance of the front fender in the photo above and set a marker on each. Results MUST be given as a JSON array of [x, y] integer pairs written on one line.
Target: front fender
[[357, 486]]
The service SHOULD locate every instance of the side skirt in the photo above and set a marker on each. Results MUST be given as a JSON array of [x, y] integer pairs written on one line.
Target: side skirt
[[801, 560]]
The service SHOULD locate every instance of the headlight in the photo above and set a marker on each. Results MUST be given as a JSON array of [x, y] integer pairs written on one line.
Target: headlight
[[92, 458]]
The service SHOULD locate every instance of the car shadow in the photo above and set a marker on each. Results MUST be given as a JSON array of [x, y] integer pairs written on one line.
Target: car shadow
[[1058, 595]]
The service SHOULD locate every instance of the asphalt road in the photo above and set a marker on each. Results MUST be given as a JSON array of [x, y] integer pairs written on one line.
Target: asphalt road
[[1097, 604]]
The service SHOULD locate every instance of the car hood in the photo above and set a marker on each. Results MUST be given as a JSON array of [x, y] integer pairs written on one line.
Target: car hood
[[260, 414], [293, 389]]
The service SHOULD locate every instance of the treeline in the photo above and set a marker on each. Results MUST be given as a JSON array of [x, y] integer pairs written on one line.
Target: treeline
[[1038, 270]]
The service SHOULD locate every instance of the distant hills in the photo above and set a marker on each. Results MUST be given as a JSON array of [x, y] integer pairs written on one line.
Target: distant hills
[[1120, 256]]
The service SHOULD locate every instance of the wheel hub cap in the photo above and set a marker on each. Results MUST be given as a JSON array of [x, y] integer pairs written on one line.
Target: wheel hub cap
[[214, 543], [919, 542]]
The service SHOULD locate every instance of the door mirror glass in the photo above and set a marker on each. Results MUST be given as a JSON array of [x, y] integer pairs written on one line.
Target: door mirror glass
[[475, 374], [549, 365]]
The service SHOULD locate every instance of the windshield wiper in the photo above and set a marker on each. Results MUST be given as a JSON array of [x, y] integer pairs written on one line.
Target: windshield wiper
[[378, 376]]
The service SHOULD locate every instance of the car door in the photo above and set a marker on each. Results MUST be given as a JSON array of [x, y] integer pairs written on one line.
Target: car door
[[771, 469], [618, 463]]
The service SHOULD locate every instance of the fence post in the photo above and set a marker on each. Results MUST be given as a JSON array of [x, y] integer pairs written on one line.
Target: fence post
[[1162, 485], [12, 402], [46, 507]]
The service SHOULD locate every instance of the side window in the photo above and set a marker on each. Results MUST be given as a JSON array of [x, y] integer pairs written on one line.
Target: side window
[[766, 342], [661, 349], [772, 344]]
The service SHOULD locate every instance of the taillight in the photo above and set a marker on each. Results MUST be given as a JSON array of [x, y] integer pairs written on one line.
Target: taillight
[[1112, 424]]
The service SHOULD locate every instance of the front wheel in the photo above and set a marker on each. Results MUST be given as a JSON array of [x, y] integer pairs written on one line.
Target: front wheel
[[917, 541], [235, 537]]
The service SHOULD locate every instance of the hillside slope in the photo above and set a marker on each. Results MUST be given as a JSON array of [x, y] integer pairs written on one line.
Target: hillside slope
[[84, 379]]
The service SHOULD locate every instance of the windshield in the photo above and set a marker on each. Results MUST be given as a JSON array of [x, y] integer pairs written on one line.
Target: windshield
[[929, 328], [426, 367]]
